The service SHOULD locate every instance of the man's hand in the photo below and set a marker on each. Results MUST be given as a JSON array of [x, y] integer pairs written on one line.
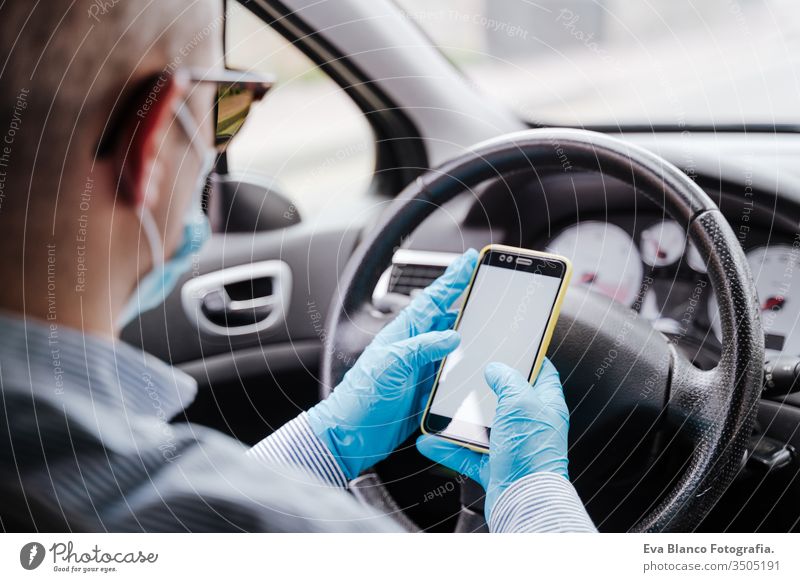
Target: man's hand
[[529, 434], [379, 402]]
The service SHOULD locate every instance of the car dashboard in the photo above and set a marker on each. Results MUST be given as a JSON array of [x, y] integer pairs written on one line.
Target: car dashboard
[[625, 247]]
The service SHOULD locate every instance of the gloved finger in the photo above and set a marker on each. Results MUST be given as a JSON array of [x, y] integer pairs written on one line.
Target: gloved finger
[[440, 295], [424, 311], [446, 288], [505, 381], [455, 457], [547, 372], [401, 359], [548, 384], [445, 321], [426, 348]]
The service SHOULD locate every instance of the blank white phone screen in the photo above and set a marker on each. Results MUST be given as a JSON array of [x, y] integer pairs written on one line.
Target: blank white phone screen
[[503, 321]]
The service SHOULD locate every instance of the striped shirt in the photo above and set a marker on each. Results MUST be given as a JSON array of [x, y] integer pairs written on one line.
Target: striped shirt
[[86, 445]]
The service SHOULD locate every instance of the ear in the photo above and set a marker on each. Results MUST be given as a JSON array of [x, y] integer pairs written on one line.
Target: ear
[[141, 134]]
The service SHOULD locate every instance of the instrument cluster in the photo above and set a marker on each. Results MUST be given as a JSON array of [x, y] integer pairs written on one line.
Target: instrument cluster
[[656, 270]]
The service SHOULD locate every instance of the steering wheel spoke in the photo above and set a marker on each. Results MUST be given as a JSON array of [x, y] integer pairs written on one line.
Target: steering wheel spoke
[[353, 335], [691, 400]]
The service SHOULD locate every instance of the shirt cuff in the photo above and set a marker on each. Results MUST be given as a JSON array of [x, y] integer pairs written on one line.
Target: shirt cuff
[[541, 502], [296, 445]]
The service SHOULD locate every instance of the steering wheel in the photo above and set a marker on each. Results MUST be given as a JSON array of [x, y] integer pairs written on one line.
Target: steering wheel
[[650, 412]]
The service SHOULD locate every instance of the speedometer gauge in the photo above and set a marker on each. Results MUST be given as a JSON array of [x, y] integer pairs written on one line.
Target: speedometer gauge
[[603, 257], [776, 271], [663, 243], [694, 259]]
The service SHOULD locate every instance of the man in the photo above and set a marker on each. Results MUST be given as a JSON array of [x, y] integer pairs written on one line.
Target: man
[[109, 144]]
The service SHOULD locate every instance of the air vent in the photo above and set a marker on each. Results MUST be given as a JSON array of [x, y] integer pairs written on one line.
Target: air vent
[[405, 278], [411, 270]]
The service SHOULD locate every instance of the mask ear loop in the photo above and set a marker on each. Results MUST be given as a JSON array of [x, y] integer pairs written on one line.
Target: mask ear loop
[[190, 128], [153, 238], [152, 235], [145, 216], [186, 121], [207, 155]]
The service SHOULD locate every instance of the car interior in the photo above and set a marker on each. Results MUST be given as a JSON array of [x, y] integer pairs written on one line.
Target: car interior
[[262, 322]]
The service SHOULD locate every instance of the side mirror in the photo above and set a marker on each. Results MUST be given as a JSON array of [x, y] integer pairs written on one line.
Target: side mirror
[[250, 204]]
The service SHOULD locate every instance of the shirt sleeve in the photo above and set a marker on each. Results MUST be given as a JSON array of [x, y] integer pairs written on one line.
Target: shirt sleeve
[[542, 502], [296, 445]]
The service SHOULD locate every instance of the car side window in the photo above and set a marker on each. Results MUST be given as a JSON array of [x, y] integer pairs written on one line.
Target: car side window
[[308, 137]]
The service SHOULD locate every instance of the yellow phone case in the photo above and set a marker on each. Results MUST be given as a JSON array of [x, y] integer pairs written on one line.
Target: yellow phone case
[[548, 332]]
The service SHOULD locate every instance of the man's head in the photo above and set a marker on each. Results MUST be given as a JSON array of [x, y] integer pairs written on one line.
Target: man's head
[[93, 88]]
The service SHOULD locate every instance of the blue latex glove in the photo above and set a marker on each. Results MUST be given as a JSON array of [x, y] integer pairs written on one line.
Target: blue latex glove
[[380, 400], [529, 434]]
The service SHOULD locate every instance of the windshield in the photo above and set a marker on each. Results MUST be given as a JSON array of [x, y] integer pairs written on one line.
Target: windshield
[[583, 62]]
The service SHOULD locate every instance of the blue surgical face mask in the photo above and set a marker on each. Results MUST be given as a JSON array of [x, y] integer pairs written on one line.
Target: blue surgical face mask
[[157, 284]]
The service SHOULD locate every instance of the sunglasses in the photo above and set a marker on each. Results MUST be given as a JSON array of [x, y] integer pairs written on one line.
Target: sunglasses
[[237, 91]]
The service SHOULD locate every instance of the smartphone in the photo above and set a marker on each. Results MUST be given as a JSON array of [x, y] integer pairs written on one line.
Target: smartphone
[[508, 314]]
